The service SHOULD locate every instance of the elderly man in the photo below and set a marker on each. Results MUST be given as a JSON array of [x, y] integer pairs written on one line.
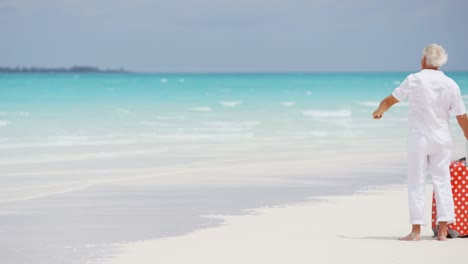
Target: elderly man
[[433, 97]]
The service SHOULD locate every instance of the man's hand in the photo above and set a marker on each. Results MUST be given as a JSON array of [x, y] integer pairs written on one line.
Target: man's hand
[[386, 103], [377, 114]]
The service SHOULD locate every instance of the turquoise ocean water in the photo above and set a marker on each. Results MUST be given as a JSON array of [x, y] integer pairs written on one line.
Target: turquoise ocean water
[[111, 108]]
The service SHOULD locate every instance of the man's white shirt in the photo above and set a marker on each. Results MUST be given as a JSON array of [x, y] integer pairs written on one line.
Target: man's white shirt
[[432, 98]]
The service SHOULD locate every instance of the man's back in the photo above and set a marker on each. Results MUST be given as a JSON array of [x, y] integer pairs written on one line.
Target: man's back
[[432, 97]]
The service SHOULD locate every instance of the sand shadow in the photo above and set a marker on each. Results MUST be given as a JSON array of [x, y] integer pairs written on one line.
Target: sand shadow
[[389, 238]]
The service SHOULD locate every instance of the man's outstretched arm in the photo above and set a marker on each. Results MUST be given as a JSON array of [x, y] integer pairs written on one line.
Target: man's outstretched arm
[[386, 103]]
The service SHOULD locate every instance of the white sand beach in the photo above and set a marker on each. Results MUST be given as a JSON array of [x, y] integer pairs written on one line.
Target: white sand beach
[[361, 228]]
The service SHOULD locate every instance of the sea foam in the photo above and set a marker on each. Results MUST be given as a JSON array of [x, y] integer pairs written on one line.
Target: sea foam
[[322, 114], [230, 103], [241, 124], [152, 123], [170, 117], [23, 113], [4, 123], [202, 109], [369, 103], [208, 137], [228, 126], [288, 104]]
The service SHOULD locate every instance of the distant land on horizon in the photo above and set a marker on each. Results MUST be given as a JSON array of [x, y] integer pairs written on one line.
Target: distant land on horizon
[[93, 69], [73, 69]]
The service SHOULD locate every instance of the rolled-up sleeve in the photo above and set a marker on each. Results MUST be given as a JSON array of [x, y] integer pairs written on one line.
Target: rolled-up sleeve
[[402, 91], [457, 106]]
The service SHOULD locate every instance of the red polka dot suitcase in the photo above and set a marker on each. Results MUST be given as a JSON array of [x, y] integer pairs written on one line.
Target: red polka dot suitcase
[[459, 180]]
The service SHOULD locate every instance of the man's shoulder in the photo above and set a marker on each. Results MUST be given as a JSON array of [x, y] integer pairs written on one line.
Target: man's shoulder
[[414, 78], [448, 80]]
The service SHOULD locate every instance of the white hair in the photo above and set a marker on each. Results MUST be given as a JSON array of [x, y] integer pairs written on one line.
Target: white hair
[[435, 55]]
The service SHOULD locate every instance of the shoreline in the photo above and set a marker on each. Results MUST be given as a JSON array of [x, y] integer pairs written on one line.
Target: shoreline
[[363, 227]]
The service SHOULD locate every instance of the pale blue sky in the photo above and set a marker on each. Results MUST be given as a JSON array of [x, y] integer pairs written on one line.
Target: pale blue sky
[[232, 35]]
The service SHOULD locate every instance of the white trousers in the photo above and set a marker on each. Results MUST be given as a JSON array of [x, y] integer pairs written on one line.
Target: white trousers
[[429, 157]]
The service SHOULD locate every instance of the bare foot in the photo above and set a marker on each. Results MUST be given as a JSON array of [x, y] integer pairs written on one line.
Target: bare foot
[[442, 235], [442, 231], [411, 237]]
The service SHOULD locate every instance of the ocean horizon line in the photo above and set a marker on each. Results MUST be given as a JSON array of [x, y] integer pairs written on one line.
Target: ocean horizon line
[[286, 72]]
